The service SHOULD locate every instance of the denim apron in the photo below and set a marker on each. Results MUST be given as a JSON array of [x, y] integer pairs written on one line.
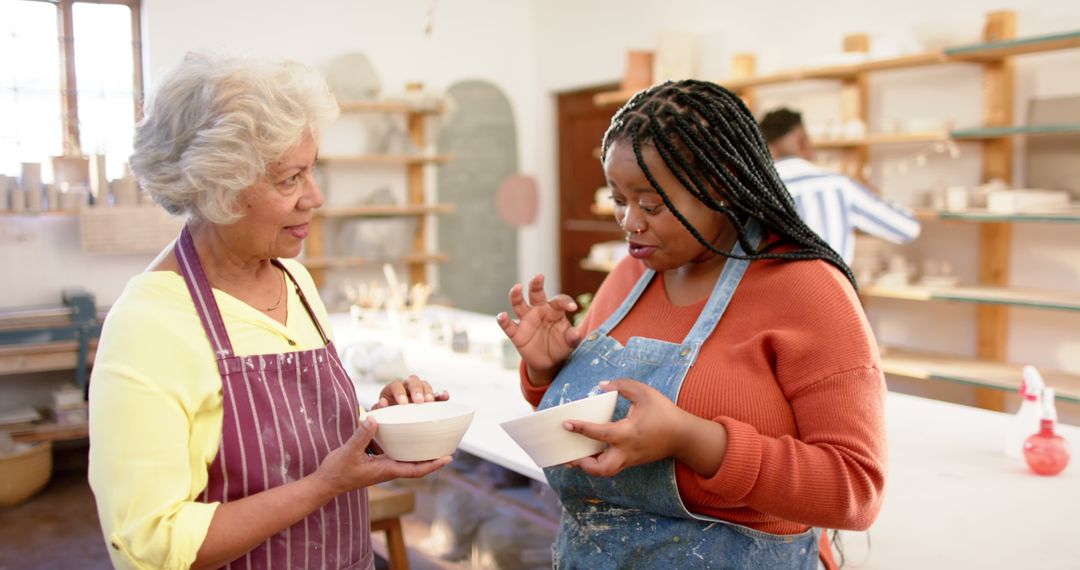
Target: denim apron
[[637, 519]]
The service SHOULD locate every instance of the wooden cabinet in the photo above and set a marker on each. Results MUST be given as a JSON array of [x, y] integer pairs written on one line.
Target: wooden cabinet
[[581, 127], [319, 258], [993, 295]]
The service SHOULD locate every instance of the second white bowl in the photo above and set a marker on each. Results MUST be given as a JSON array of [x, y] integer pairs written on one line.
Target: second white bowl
[[543, 437], [420, 432]]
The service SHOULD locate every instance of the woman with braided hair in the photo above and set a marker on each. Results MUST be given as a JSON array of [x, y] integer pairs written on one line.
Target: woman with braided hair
[[752, 400]]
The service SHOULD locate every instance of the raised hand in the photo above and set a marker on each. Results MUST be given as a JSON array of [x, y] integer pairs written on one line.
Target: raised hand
[[542, 332]]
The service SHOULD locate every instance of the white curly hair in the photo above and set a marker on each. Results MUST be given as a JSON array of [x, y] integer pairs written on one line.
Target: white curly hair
[[214, 125]]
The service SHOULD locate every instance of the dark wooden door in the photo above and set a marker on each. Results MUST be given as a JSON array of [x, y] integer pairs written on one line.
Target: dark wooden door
[[581, 127]]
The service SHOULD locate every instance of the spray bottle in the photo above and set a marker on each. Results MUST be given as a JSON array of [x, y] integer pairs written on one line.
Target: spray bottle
[[1026, 421], [1047, 453]]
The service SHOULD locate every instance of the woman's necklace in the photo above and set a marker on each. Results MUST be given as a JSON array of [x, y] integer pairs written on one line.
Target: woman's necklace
[[280, 297]]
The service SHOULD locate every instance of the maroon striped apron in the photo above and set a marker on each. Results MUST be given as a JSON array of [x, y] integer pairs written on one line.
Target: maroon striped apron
[[283, 413]]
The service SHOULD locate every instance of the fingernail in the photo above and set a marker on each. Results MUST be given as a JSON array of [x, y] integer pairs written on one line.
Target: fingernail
[[568, 426], [366, 423], [402, 399], [573, 307], [604, 383]]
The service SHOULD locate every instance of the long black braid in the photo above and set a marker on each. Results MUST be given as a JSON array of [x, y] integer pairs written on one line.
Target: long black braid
[[711, 143]]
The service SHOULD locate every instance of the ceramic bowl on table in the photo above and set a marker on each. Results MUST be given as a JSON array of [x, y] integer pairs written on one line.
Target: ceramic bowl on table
[[542, 435], [421, 432]]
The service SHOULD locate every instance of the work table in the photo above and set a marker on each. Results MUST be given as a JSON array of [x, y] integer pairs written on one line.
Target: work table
[[953, 499]]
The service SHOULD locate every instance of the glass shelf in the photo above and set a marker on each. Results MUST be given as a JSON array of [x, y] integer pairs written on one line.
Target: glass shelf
[[392, 159], [981, 373], [347, 261], [996, 132], [1010, 296], [383, 211], [981, 52], [990, 51], [1068, 216]]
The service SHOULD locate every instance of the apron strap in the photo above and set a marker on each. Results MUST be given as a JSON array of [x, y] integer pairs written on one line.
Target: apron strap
[[303, 299], [203, 295], [718, 299], [627, 304], [724, 289]]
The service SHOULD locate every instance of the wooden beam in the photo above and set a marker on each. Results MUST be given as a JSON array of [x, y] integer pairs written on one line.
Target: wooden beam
[[136, 53], [995, 239], [744, 66], [69, 105], [417, 190]]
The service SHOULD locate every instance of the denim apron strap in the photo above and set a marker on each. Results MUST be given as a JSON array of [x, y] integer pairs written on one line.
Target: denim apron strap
[[722, 292], [627, 304]]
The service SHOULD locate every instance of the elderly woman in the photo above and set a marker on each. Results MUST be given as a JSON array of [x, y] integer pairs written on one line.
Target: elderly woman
[[223, 426]]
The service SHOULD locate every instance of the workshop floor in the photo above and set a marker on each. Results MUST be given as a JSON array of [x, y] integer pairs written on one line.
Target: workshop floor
[[58, 528]]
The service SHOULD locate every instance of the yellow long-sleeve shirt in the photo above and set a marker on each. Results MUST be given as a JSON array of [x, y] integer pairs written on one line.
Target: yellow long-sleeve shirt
[[156, 410]]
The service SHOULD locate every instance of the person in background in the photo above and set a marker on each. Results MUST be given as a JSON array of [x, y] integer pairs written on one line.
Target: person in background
[[830, 203], [752, 398], [224, 431]]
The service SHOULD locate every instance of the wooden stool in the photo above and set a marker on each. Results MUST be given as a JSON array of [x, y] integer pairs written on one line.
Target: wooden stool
[[386, 507]]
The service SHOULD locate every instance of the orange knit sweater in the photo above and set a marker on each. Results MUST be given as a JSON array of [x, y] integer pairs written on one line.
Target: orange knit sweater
[[792, 371]]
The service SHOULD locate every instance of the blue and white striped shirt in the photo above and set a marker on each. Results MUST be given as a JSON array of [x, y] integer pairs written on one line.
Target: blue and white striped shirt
[[834, 205]]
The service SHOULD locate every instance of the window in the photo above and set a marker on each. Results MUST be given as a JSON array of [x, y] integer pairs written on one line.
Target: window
[[70, 81]]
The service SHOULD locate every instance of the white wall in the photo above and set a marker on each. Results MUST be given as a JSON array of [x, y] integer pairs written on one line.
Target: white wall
[[471, 39], [533, 49]]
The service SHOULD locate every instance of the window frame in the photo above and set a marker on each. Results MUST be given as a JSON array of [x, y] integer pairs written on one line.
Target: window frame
[[69, 105]]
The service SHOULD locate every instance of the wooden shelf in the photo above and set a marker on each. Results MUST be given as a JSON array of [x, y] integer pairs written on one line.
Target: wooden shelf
[[416, 115], [388, 107], [1066, 216], [993, 295], [601, 210], [982, 133], [348, 261], [590, 265], [975, 53], [1001, 376], [388, 159], [44, 214], [613, 98], [987, 295], [43, 357], [384, 211], [49, 432], [903, 138]]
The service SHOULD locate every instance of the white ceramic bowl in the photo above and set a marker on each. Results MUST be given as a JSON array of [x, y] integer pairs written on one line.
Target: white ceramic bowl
[[419, 432], [548, 443]]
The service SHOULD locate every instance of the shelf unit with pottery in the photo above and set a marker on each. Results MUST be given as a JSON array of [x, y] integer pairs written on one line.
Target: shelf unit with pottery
[[989, 371], [318, 259]]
